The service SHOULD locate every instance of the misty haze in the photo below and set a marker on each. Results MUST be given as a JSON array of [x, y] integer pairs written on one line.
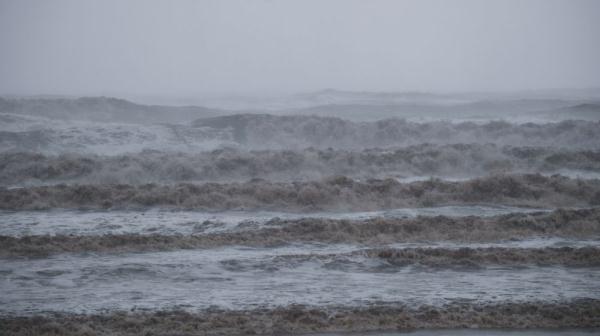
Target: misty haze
[[334, 167]]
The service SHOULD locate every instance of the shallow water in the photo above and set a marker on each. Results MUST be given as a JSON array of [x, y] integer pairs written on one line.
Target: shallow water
[[245, 278], [66, 222], [242, 278]]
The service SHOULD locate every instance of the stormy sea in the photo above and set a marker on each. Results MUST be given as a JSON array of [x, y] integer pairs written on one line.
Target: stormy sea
[[325, 213]]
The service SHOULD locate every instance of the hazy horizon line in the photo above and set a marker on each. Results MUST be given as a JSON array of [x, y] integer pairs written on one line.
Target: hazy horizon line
[[282, 93]]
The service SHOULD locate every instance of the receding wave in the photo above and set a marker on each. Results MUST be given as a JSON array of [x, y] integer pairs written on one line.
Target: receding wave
[[336, 193], [299, 319], [459, 160], [581, 224]]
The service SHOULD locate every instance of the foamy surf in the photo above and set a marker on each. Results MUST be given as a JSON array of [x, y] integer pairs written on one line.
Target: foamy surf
[[237, 278], [157, 221]]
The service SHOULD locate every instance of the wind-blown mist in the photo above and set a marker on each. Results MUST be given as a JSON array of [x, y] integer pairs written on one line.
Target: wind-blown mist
[[431, 187], [458, 161], [230, 167], [24, 130]]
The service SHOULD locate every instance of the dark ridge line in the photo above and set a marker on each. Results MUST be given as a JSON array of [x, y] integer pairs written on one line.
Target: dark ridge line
[[581, 224], [299, 319], [338, 193], [457, 160]]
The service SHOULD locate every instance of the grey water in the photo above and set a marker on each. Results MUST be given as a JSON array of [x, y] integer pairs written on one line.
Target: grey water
[[235, 277], [246, 278], [157, 221]]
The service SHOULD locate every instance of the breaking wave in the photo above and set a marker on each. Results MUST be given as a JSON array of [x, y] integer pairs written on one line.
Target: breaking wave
[[336, 193], [301, 131], [258, 132], [262, 274], [299, 319], [459, 160], [41, 135], [581, 224], [390, 259]]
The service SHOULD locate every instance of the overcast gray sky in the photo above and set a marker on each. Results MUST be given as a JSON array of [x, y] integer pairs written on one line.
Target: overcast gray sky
[[189, 47]]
